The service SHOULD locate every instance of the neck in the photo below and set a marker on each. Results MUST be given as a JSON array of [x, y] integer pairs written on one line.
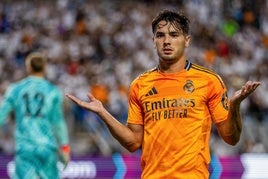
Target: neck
[[173, 67], [39, 74]]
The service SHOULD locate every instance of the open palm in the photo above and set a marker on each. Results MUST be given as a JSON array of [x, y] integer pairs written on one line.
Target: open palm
[[93, 104], [244, 92]]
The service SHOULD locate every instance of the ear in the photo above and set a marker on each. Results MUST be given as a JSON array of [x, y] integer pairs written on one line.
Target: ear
[[154, 41], [187, 40]]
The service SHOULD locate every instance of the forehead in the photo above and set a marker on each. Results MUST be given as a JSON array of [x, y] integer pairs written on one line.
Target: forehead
[[167, 26]]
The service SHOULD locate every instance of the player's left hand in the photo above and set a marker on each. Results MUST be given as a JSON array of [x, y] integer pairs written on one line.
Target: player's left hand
[[244, 92]]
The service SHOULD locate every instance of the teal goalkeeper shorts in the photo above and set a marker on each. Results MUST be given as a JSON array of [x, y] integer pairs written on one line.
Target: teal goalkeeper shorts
[[29, 165]]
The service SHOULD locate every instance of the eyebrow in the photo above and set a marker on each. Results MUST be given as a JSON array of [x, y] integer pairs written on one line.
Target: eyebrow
[[169, 32]]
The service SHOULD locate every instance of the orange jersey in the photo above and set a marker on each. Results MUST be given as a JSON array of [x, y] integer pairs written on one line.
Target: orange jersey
[[177, 111]]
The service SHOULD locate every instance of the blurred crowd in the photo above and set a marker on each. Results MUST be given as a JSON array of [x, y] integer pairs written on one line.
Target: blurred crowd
[[101, 46]]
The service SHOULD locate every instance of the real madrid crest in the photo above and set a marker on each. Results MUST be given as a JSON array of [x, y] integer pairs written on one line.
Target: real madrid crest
[[189, 86]]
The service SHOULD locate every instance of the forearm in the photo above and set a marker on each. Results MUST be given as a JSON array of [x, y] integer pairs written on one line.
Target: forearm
[[60, 126], [124, 135], [130, 136], [231, 128], [61, 133]]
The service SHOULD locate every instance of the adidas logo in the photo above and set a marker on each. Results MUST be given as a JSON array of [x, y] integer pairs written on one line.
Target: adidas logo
[[152, 92]]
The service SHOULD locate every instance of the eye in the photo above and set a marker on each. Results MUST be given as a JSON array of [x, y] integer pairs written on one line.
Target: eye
[[158, 35], [174, 34]]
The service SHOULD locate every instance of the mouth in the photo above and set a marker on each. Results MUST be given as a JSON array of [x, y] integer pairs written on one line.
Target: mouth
[[167, 51]]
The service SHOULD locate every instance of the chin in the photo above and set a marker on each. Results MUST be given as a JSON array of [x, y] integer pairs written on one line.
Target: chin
[[168, 59]]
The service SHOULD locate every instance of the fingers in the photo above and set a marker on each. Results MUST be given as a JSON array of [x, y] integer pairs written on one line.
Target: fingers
[[76, 100], [90, 96], [249, 87], [73, 98], [80, 102]]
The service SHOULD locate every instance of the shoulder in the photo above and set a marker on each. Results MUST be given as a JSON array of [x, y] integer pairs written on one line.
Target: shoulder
[[17, 84], [205, 72], [48, 86], [54, 87], [144, 76]]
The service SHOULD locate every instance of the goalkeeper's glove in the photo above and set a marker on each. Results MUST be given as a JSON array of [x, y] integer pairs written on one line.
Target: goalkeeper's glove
[[65, 155]]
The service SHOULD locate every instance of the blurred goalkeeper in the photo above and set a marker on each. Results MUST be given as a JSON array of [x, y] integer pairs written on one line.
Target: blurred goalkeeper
[[41, 134]]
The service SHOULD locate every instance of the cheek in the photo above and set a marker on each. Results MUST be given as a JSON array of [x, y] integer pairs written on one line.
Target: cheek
[[180, 44], [157, 45], [183, 43]]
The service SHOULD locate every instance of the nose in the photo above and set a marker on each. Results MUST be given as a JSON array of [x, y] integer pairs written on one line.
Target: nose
[[167, 39]]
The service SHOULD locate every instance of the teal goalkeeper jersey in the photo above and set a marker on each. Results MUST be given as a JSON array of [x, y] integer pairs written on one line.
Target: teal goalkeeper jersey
[[37, 105]]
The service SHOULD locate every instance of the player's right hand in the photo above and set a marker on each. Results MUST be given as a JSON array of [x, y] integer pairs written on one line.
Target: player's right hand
[[93, 104]]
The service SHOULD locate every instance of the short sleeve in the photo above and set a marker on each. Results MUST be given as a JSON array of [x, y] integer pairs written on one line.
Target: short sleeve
[[218, 102], [135, 115]]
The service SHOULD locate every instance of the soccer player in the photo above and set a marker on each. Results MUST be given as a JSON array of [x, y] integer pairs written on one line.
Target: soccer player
[[41, 135], [172, 108]]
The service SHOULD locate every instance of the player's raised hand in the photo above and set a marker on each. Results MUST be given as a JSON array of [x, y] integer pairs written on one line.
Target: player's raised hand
[[248, 88], [93, 104]]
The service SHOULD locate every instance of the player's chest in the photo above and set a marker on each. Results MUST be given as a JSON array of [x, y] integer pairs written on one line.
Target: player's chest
[[173, 99]]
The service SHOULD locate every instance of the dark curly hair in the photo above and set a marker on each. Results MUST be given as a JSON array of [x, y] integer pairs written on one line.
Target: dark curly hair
[[176, 19]]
